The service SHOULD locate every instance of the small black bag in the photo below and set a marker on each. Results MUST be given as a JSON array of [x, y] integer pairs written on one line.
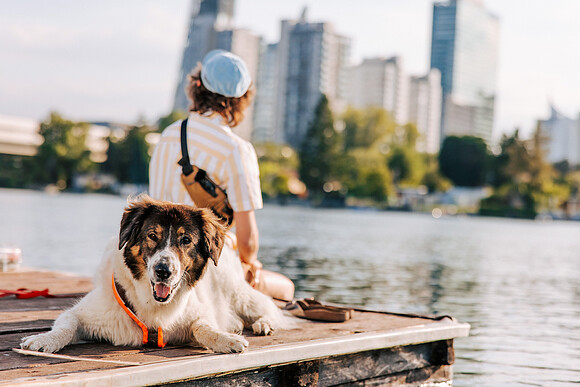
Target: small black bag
[[201, 188]]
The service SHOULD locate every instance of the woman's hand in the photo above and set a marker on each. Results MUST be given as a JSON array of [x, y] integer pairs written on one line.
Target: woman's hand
[[253, 273]]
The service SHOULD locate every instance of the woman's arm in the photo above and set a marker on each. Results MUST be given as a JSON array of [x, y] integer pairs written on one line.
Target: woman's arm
[[247, 236]]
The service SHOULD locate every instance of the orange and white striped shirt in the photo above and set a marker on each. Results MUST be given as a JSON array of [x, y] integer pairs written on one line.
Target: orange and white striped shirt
[[230, 161]]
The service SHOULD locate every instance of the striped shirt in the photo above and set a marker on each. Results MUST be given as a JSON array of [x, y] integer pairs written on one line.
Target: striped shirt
[[229, 160]]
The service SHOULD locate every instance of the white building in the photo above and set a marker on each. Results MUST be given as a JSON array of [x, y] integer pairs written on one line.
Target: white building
[[265, 101], [246, 45], [563, 138], [382, 83], [464, 47], [312, 60], [19, 136], [425, 109]]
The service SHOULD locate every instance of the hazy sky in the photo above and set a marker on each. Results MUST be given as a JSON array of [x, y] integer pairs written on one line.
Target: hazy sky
[[118, 60]]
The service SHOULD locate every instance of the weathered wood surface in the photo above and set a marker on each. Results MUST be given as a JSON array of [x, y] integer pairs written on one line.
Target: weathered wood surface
[[324, 351]]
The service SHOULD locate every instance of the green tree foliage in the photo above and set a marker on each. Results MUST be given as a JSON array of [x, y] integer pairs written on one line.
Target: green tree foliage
[[167, 120], [63, 154], [319, 151], [363, 128], [464, 160], [406, 164], [14, 170], [523, 180], [128, 157], [278, 165], [364, 174], [432, 178]]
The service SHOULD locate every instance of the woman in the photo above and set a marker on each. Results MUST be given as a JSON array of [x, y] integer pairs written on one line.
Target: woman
[[219, 90]]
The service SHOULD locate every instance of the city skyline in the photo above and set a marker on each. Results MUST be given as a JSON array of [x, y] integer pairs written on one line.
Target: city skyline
[[118, 62], [464, 48]]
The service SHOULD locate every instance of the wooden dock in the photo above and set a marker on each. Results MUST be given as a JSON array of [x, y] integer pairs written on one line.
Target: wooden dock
[[373, 348]]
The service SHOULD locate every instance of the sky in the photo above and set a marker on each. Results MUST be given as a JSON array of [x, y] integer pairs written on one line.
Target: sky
[[112, 60]]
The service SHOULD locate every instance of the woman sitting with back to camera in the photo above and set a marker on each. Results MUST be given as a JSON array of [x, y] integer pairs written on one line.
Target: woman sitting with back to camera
[[220, 91]]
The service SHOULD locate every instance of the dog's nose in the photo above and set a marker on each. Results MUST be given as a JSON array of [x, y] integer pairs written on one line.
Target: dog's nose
[[162, 271]]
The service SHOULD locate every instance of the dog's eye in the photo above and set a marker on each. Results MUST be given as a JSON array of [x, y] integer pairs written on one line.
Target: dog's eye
[[185, 240], [152, 236]]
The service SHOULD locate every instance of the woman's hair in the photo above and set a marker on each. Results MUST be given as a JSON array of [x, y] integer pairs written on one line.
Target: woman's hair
[[203, 101]]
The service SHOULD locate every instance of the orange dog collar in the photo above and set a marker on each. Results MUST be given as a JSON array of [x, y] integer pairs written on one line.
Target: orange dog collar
[[151, 338]]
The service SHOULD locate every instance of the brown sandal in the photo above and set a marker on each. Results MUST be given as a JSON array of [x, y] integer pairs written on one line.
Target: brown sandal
[[311, 309]]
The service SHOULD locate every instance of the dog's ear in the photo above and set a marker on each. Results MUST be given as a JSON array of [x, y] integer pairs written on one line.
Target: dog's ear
[[132, 221], [213, 236]]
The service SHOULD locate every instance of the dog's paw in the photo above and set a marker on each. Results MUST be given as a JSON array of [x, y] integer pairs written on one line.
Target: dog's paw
[[45, 342], [262, 327], [230, 343]]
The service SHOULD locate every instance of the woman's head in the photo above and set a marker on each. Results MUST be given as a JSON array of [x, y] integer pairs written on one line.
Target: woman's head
[[221, 85]]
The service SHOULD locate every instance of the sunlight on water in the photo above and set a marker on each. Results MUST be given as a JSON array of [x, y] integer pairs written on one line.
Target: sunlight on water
[[515, 282]]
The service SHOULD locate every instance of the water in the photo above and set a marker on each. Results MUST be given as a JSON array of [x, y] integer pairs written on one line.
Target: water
[[516, 282]]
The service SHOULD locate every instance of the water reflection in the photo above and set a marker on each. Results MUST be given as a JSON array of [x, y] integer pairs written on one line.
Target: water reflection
[[515, 282]]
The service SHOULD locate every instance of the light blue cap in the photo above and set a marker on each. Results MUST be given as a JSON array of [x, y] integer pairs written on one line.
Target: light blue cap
[[225, 73]]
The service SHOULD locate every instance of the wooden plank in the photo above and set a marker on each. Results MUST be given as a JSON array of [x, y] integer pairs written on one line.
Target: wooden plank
[[25, 317], [212, 364], [428, 376], [25, 326], [401, 366], [302, 355], [56, 282], [12, 304]]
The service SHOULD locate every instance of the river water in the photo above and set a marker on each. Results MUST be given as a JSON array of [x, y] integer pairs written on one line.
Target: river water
[[516, 282]]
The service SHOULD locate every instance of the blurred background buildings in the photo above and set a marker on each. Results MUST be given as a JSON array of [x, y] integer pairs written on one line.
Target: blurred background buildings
[[464, 47], [456, 96]]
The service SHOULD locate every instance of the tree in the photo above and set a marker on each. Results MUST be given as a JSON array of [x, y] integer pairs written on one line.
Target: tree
[[278, 164], [363, 128], [63, 153], [364, 174], [165, 121], [319, 151], [464, 160], [524, 182], [432, 178], [406, 164], [128, 157]]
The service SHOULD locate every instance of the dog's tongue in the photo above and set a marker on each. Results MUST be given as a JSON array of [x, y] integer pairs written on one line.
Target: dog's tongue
[[162, 290]]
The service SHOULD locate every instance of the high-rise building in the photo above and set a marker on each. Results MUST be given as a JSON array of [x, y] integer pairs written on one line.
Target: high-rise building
[[313, 60], [246, 45], [464, 47], [210, 28], [425, 109], [381, 83], [563, 138], [207, 17], [265, 102]]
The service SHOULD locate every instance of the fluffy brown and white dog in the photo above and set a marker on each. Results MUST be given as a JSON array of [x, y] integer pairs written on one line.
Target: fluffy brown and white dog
[[164, 269]]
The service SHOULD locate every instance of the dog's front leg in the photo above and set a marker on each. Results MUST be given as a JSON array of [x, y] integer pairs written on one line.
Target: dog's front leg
[[63, 332], [217, 341]]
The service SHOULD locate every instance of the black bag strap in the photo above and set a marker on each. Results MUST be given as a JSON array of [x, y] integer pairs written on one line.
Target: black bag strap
[[184, 162]]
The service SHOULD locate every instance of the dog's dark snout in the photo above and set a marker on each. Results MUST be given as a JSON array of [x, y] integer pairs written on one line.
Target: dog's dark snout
[[162, 271]]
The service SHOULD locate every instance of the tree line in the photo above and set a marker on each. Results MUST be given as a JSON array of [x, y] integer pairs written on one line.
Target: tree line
[[363, 156]]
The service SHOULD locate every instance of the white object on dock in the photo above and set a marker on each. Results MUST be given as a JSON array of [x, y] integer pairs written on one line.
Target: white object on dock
[[10, 258]]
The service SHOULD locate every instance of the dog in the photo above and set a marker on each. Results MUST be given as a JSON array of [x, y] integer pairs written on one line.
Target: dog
[[164, 270]]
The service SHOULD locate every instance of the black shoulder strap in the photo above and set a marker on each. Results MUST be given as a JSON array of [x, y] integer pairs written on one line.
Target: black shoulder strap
[[184, 162]]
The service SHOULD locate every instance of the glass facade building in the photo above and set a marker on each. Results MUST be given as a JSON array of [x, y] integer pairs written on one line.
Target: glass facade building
[[464, 46], [207, 17]]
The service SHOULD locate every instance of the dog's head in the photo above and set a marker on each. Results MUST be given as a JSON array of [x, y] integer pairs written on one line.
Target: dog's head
[[169, 244]]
